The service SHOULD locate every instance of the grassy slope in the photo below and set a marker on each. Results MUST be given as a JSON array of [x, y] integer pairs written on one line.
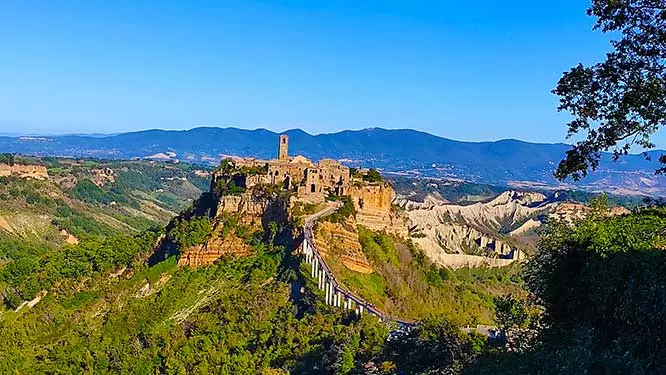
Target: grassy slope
[[407, 285]]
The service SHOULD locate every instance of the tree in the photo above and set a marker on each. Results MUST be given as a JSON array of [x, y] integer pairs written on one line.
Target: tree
[[620, 102], [227, 166], [517, 321], [373, 176], [7, 159]]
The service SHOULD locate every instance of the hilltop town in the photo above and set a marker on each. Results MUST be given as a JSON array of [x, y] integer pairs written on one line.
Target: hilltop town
[[235, 183], [299, 174]]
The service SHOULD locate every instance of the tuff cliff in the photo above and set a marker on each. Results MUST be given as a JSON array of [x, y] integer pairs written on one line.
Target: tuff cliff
[[374, 209], [213, 249], [340, 240], [38, 172], [233, 218]]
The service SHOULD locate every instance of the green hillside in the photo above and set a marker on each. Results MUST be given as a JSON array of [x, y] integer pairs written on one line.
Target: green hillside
[[78, 200], [406, 284], [105, 309]]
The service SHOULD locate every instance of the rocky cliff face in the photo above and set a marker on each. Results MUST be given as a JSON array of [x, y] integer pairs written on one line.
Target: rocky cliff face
[[373, 204], [496, 229], [24, 171], [489, 229], [253, 209], [504, 213], [215, 248], [340, 240], [456, 238]]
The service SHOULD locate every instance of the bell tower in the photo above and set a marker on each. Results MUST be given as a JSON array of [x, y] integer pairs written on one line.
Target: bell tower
[[283, 147]]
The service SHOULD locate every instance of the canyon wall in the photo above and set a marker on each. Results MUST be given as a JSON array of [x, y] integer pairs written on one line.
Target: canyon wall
[[374, 209]]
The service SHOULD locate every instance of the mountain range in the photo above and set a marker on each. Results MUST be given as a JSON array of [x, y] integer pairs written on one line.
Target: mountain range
[[508, 161]]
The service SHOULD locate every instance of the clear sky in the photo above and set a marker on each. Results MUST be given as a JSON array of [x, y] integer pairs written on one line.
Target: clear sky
[[480, 70]]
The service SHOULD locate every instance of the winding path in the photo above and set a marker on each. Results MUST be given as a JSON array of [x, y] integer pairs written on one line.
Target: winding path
[[335, 293]]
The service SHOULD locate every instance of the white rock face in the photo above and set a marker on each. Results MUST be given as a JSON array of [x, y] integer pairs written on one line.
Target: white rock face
[[441, 227]]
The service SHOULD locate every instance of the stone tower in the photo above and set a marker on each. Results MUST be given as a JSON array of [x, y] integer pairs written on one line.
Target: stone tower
[[283, 147]]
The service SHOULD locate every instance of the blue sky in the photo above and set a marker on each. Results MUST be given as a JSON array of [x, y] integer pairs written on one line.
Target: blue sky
[[478, 70]]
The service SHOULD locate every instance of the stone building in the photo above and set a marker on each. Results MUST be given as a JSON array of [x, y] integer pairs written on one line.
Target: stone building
[[283, 147], [296, 173]]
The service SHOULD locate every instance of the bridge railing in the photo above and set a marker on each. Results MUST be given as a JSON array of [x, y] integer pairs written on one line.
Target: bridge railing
[[335, 293]]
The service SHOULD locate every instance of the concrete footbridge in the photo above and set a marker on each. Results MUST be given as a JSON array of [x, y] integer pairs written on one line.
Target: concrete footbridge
[[335, 294]]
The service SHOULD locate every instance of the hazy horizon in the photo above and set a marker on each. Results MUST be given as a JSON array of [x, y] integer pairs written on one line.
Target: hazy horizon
[[469, 72], [275, 129], [18, 134]]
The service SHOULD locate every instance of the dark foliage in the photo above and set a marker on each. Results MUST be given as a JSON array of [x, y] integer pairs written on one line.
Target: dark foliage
[[621, 101], [7, 159], [602, 287], [373, 175]]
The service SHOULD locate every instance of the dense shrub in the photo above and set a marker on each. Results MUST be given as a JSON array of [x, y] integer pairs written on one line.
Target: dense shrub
[[373, 175]]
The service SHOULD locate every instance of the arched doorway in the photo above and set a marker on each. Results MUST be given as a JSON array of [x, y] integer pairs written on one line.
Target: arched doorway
[[312, 188]]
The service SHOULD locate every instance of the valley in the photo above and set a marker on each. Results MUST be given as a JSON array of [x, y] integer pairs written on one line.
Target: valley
[[412, 188], [184, 252]]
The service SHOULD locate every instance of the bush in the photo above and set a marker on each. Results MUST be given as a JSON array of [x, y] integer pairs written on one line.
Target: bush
[[189, 232], [7, 159], [373, 176], [346, 211]]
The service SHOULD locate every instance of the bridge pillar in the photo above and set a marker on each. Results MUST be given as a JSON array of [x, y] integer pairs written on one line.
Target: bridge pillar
[[328, 295], [318, 276], [314, 267], [338, 298]]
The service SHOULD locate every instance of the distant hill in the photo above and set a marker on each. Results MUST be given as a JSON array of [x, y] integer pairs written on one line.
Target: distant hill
[[81, 198], [500, 162]]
